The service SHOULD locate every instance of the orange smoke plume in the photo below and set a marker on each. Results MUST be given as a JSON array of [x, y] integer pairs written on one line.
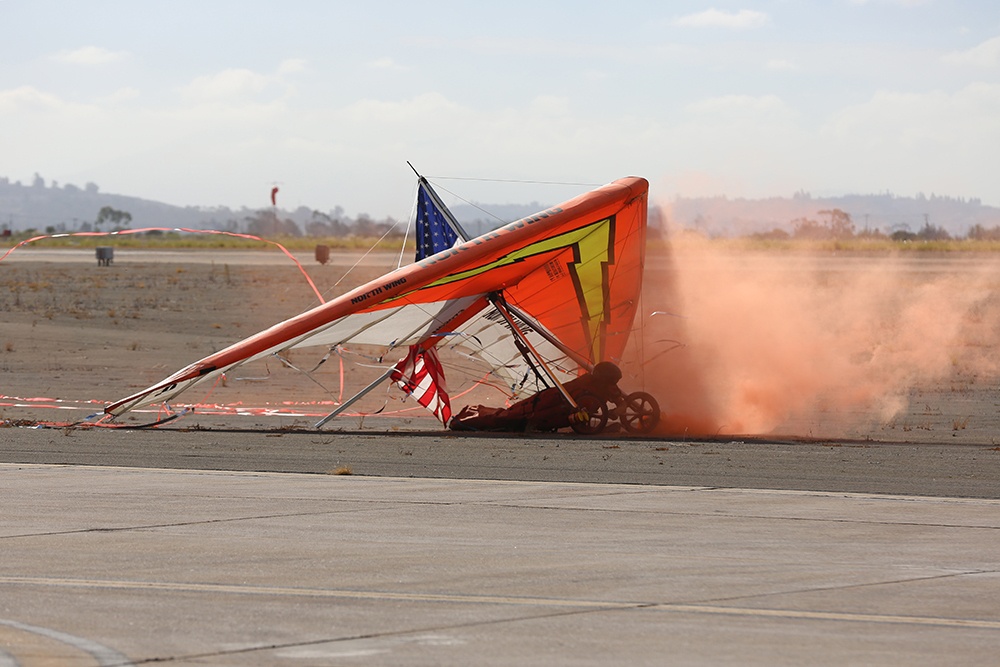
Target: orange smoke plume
[[741, 342]]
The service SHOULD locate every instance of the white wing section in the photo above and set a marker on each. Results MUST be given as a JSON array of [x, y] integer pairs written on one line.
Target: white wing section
[[402, 326], [488, 337]]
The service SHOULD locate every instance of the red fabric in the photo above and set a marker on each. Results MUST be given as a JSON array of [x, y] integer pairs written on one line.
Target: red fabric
[[420, 375]]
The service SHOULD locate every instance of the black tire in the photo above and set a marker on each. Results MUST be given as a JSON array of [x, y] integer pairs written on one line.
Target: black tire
[[640, 412], [597, 415]]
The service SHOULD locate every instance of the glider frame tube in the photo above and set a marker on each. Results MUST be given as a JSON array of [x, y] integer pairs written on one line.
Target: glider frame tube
[[498, 302]]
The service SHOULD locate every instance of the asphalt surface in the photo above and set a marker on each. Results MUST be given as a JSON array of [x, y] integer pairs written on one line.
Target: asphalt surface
[[956, 470]]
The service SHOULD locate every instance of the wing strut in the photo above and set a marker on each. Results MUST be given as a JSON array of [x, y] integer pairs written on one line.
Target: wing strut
[[358, 396], [582, 361], [498, 302], [457, 320], [354, 399]]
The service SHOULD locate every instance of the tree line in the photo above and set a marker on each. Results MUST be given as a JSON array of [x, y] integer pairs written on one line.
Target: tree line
[[265, 223], [319, 224], [835, 224], [831, 224]]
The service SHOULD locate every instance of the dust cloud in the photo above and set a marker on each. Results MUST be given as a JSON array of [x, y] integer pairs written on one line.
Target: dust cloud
[[741, 342]]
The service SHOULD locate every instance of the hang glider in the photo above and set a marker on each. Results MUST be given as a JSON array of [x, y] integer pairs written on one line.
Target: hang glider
[[548, 296]]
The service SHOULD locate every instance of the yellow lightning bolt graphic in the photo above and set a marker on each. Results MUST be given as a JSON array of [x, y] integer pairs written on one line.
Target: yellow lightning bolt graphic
[[592, 252]]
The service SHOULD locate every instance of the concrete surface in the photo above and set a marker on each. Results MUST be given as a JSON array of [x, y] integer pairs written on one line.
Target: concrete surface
[[116, 566]]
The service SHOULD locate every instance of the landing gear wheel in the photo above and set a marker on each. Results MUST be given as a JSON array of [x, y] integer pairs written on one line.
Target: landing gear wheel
[[640, 413], [595, 413]]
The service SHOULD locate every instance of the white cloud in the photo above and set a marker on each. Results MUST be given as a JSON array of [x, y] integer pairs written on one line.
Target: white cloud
[[550, 105], [239, 85], [596, 75], [228, 84], [121, 95], [291, 66], [936, 141], [88, 55], [970, 115], [768, 106], [716, 18], [986, 54], [387, 63], [422, 108], [779, 64], [28, 99], [901, 3]]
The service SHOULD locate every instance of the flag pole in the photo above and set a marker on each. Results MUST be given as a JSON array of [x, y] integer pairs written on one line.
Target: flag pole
[[445, 211]]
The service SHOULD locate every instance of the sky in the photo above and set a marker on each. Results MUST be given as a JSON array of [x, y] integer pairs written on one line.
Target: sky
[[213, 102]]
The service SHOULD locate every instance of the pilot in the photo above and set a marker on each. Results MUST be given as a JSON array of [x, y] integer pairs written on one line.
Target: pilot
[[547, 410]]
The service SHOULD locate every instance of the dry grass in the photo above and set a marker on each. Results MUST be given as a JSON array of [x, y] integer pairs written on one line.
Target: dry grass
[[211, 242], [859, 245], [301, 243], [342, 470]]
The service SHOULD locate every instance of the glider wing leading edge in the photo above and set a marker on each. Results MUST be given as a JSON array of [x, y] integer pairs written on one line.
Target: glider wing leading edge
[[570, 274]]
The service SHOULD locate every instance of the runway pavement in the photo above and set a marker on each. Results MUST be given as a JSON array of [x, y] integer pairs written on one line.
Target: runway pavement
[[130, 564], [239, 546], [864, 466]]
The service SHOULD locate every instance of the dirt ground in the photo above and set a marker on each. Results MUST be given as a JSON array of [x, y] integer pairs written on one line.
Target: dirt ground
[[76, 336]]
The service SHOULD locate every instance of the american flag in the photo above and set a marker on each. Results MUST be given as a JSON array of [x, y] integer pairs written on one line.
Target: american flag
[[434, 234], [420, 375]]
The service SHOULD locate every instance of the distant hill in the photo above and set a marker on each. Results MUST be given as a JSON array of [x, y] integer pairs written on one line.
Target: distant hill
[[71, 208], [721, 216]]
